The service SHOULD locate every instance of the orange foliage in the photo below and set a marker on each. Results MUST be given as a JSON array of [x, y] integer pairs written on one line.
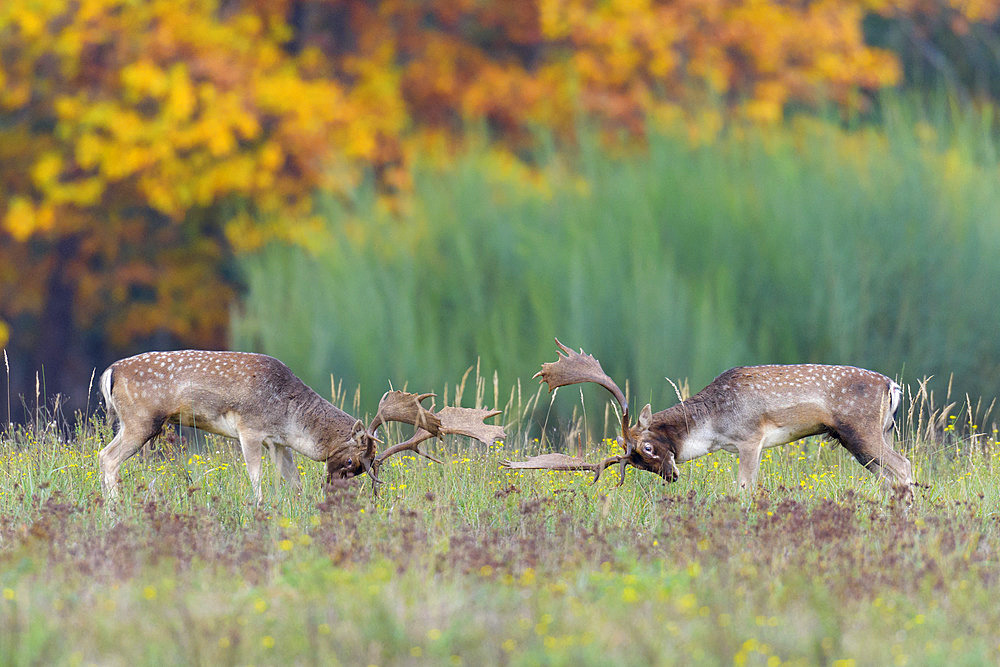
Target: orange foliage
[[631, 55]]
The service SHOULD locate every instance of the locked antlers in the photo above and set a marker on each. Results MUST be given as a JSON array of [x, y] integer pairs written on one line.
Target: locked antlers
[[399, 406], [405, 407], [457, 421], [573, 368]]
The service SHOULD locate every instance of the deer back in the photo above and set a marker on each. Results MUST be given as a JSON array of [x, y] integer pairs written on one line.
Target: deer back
[[225, 393], [807, 392]]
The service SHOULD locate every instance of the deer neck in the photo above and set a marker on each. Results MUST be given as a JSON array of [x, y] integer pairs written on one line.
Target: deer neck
[[686, 429], [316, 427]]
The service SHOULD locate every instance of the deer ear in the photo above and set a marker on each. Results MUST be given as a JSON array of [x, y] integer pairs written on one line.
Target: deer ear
[[359, 427], [645, 417]]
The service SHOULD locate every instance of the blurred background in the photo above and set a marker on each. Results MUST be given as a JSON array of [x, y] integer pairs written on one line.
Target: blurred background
[[395, 191]]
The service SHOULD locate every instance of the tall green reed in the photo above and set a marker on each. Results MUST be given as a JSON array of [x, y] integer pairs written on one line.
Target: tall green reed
[[873, 246]]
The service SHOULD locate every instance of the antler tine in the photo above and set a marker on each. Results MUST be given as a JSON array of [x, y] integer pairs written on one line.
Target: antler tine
[[369, 454], [627, 445], [622, 467], [372, 467], [372, 472], [575, 367], [608, 462]]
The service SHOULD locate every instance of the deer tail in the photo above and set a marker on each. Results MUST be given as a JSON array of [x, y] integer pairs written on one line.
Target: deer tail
[[107, 384]]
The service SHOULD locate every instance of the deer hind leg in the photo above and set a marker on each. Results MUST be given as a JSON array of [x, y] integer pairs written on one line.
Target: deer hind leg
[[872, 447], [131, 437], [285, 462], [252, 445]]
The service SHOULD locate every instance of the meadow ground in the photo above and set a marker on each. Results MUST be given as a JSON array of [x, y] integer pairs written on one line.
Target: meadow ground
[[468, 563]]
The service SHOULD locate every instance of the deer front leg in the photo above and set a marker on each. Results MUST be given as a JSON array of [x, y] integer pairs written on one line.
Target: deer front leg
[[285, 462], [749, 466], [252, 445]]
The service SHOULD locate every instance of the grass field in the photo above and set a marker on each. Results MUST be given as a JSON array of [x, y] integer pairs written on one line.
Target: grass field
[[468, 563]]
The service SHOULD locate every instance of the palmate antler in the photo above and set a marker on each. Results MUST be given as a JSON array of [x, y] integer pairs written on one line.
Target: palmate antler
[[407, 408], [573, 368], [453, 421], [576, 367]]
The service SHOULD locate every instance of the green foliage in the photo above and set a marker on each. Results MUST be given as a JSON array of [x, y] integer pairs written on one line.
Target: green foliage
[[809, 243]]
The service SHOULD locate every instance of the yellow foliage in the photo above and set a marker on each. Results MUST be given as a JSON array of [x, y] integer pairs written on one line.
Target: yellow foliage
[[143, 79], [20, 219]]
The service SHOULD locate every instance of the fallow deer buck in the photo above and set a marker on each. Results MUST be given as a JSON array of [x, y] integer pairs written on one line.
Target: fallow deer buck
[[259, 401], [744, 411]]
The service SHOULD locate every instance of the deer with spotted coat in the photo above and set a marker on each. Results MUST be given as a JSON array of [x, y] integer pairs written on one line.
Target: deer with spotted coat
[[259, 401], [744, 411]]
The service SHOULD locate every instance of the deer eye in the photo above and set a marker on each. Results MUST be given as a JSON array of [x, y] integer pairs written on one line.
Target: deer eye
[[350, 462], [648, 448]]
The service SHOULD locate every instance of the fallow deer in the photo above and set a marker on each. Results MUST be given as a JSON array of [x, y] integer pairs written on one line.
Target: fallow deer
[[744, 411], [259, 401]]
